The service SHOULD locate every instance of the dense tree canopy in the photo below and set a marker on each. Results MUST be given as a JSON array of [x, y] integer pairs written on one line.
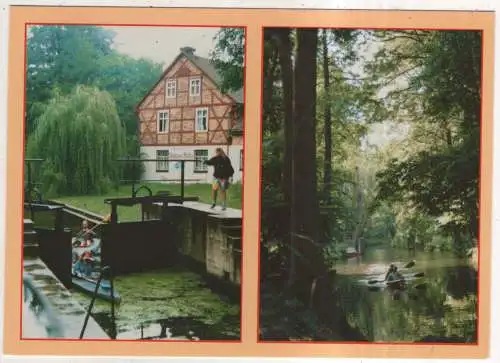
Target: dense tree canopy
[[61, 57]]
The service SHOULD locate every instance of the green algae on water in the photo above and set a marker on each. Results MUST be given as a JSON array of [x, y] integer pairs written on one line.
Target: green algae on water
[[175, 299]]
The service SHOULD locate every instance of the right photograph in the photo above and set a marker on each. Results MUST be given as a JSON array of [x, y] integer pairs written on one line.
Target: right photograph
[[370, 185]]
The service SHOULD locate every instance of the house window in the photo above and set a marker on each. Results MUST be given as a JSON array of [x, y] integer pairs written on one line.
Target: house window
[[171, 88], [195, 87], [200, 156], [163, 119], [201, 119], [162, 160], [241, 159]]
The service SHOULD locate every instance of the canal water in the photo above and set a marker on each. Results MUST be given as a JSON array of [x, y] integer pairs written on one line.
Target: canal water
[[172, 303], [442, 307]]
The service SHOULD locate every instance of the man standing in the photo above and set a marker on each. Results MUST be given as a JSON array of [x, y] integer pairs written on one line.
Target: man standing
[[223, 171]]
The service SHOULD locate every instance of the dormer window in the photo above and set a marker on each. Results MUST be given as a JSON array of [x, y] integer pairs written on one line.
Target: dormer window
[[171, 88], [195, 87]]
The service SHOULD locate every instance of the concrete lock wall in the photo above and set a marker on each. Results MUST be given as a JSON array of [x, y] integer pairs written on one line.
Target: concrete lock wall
[[210, 242]]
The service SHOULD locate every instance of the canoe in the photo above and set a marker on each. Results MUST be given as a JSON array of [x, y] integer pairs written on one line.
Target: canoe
[[95, 247], [88, 286], [396, 284], [402, 284]]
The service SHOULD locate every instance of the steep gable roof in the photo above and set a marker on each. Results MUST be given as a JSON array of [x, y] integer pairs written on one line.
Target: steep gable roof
[[205, 65]]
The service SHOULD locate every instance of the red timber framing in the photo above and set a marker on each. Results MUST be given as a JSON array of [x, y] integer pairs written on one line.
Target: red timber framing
[[181, 109]]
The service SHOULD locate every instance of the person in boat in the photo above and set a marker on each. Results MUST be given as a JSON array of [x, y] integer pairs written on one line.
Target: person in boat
[[223, 172], [87, 234], [83, 264], [393, 274]]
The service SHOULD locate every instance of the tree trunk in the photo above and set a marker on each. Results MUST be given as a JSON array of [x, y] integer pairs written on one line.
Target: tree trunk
[[305, 208], [284, 45], [283, 42], [327, 131], [270, 67]]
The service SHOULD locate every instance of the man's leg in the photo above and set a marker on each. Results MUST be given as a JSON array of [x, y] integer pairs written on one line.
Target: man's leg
[[223, 186], [214, 193]]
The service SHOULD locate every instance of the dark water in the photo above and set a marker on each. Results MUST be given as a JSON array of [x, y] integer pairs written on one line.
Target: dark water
[[442, 307]]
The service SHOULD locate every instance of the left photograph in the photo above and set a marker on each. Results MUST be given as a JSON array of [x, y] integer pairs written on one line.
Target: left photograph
[[133, 176]]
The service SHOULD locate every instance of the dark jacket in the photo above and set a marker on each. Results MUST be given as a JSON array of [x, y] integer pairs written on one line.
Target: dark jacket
[[222, 167]]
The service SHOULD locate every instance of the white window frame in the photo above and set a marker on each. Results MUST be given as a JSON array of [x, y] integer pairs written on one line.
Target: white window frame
[[162, 166], [196, 119], [199, 165], [192, 87], [171, 88], [167, 122]]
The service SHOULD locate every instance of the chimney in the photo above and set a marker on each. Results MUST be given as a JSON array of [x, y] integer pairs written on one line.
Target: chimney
[[188, 50]]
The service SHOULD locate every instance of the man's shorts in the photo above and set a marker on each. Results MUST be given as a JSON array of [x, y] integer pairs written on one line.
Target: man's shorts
[[220, 184]]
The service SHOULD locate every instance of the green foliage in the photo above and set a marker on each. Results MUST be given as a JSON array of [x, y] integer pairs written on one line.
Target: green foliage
[[229, 58], [442, 99], [80, 136], [63, 57]]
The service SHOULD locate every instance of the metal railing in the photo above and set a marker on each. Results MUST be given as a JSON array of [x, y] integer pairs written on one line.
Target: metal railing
[[136, 164], [36, 301]]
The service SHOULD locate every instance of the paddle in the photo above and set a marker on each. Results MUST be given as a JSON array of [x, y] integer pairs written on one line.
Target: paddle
[[408, 265]]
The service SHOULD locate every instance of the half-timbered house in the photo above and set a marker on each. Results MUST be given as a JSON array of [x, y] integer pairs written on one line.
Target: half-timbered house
[[186, 116]]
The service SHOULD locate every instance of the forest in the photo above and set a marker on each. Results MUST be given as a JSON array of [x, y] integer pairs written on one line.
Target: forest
[[370, 143]]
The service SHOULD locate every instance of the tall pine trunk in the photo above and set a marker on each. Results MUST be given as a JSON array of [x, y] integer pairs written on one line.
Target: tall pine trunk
[[327, 130], [305, 208], [285, 60]]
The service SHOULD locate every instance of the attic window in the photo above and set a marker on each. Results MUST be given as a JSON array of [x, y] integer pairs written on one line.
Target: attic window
[[195, 86], [171, 88]]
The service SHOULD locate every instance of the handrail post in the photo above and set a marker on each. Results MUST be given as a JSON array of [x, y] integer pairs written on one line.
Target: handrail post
[[113, 318], [182, 180]]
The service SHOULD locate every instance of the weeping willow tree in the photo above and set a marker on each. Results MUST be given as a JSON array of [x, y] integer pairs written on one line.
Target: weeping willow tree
[[80, 136]]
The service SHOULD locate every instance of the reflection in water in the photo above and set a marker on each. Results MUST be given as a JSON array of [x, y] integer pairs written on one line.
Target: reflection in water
[[444, 311]]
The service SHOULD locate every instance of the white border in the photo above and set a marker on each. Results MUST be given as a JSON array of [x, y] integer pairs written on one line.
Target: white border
[[476, 5]]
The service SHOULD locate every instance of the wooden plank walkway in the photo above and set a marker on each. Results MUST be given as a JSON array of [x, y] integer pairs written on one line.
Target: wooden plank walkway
[[217, 212]]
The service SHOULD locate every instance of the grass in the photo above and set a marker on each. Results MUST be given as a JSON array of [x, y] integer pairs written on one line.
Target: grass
[[95, 203]]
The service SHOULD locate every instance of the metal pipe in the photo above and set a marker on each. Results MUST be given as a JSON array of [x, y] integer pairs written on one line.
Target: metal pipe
[[113, 318], [182, 180]]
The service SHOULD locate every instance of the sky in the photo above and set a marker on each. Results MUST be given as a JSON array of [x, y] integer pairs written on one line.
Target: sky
[[162, 44]]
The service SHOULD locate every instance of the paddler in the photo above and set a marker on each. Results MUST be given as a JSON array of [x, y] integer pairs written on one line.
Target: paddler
[[83, 265], [87, 234], [393, 274]]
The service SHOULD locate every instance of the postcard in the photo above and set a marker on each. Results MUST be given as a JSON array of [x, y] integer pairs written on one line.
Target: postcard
[[235, 182]]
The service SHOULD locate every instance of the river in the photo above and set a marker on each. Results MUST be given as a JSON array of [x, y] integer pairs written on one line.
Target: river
[[442, 307]]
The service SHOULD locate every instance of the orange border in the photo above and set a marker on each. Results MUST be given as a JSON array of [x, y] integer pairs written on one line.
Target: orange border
[[254, 20]]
